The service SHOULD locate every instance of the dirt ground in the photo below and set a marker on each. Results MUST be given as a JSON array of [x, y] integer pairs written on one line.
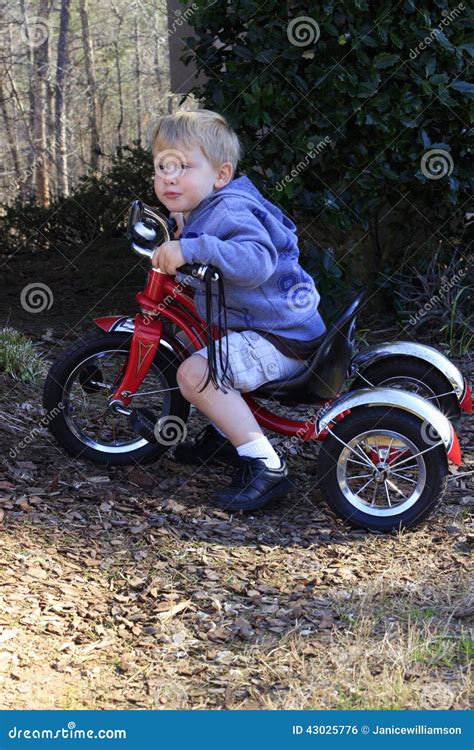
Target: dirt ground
[[126, 588]]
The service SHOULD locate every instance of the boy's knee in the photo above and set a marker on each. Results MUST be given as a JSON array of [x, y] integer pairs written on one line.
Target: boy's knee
[[190, 373]]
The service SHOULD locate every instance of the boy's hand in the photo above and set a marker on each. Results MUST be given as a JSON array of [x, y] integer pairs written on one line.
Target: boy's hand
[[168, 257]]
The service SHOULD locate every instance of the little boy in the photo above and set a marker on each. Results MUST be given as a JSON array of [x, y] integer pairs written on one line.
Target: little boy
[[272, 315]]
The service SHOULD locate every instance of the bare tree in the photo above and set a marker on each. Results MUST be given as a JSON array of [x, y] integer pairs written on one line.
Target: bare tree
[[138, 106], [12, 143], [91, 84], [30, 185], [60, 101], [38, 38], [74, 77]]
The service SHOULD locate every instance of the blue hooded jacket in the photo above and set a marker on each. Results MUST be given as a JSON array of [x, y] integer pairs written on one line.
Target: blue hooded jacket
[[255, 246]]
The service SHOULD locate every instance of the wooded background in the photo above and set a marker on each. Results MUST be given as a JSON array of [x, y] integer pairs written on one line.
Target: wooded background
[[79, 80], [356, 119]]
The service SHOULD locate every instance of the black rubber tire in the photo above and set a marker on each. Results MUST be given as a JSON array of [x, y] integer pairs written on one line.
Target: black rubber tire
[[381, 372], [403, 423], [58, 376]]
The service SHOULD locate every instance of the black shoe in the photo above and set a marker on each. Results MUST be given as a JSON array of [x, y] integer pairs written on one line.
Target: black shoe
[[208, 446], [253, 485]]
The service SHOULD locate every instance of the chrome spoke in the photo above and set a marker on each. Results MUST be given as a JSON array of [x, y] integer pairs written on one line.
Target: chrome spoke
[[368, 461], [405, 479], [374, 495], [361, 463], [389, 448], [365, 485], [387, 493], [87, 414], [391, 488], [395, 488], [414, 456]]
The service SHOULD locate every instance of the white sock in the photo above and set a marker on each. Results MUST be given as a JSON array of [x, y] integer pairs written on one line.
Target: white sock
[[261, 448]]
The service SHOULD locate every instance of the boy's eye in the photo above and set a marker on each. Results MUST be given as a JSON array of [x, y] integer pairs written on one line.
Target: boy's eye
[[172, 168]]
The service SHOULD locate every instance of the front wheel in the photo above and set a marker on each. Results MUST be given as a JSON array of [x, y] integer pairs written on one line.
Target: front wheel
[[381, 469], [76, 394]]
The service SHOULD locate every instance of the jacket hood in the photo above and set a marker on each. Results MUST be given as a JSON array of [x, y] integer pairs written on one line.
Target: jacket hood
[[243, 188]]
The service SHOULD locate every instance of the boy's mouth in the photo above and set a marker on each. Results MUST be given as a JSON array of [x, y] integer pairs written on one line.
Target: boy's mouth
[[172, 195]]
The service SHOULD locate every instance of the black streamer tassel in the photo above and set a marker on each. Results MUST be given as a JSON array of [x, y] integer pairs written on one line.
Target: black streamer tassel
[[213, 274]]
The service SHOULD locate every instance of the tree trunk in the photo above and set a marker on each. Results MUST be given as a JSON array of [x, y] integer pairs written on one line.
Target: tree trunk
[[16, 182], [156, 58], [60, 108], [31, 153], [91, 84], [120, 93], [138, 105], [40, 58]]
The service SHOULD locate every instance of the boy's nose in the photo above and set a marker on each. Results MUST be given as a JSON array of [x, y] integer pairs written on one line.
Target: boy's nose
[[171, 178]]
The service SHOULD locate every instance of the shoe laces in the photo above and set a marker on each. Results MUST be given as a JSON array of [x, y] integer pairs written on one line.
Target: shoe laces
[[244, 471]]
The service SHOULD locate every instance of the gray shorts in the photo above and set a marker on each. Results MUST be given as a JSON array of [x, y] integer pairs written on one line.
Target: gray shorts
[[253, 361]]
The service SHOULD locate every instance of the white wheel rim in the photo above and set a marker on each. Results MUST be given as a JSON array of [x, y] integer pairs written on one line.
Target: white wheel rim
[[116, 446], [374, 475]]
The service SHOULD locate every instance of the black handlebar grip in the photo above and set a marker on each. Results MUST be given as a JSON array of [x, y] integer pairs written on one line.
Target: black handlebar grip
[[189, 269]]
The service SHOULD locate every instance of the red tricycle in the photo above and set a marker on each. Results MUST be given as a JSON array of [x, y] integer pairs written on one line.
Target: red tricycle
[[387, 442]]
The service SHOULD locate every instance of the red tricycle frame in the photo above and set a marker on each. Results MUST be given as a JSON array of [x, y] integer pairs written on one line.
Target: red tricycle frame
[[167, 298]]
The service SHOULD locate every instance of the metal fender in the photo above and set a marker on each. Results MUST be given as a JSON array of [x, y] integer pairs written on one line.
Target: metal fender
[[409, 349], [122, 324], [411, 402]]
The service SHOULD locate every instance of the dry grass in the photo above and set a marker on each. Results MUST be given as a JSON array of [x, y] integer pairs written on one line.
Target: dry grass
[[128, 589]]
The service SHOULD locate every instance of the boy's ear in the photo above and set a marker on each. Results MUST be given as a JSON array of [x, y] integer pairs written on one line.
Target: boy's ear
[[224, 175]]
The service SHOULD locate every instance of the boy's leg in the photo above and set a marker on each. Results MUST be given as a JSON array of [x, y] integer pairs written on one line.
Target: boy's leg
[[262, 475], [228, 411]]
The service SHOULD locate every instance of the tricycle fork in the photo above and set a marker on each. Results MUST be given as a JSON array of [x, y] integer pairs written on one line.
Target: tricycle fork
[[145, 342]]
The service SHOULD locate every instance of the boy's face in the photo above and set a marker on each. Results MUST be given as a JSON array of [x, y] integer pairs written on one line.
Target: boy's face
[[184, 177]]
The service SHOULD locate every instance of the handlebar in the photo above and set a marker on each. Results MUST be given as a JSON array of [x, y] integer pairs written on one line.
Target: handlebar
[[147, 228]]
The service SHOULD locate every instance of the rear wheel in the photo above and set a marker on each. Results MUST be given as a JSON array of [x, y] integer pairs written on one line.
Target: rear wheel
[[380, 469], [76, 394], [411, 375]]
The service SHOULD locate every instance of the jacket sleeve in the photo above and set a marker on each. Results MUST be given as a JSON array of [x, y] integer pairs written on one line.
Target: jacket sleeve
[[242, 249]]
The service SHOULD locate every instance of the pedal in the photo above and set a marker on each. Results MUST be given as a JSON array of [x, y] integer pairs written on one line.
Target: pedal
[[143, 421]]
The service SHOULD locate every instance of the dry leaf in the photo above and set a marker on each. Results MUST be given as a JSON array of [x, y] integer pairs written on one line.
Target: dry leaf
[[174, 610]]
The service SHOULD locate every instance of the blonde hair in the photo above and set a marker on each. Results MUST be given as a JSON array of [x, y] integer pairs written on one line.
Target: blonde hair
[[202, 127]]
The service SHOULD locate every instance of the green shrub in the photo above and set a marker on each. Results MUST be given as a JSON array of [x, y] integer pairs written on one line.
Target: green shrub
[[97, 209], [364, 99], [19, 357]]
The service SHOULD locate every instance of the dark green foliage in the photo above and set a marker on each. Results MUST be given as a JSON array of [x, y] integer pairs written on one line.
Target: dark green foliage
[[362, 85], [97, 209]]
